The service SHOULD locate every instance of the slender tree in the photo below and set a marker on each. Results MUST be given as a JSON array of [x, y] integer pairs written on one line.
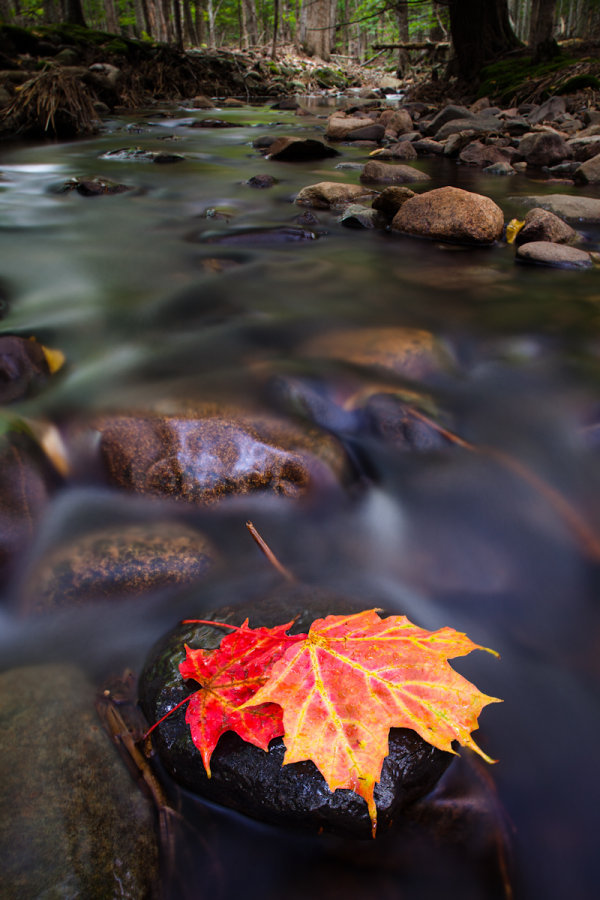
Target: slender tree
[[541, 33]]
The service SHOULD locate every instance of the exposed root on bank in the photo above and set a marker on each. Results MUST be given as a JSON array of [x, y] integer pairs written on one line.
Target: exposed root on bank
[[51, 104]]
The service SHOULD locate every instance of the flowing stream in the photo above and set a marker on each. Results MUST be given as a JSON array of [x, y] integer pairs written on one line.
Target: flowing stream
[[126, 287]]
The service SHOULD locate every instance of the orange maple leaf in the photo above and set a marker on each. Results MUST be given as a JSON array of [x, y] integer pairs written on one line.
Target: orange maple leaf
[[352, 678]]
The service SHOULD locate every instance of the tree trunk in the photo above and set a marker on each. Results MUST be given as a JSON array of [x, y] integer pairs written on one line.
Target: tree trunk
[[319, 27], [275, 27], [73, 13], [189, 29], [112, 21], [541, 31], [402, 20], [481, 32]]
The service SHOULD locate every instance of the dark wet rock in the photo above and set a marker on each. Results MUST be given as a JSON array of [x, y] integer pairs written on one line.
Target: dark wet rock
[[543, 148], [386, 173], [264, 141], [399, 424], [542, 225], [262, 181], [572, 208], [391, 199], [477, 124], [399, 150], [549, 111], [478, 154], [93, 187], [451, 214], [286, 103], [26, 482], [307, 219], [584, 148], [589, 171], [203, 459], [283, 234], [457, 142], [564, 169], [213, 123], [448, 114], [330, 194], [292, 149], [73, 822], [428, 147], [517, 126], [136, 154], [559, 256], [357, 216], [117, 563], [500, 168], [409, 352], [396, 121], [254, 782], [23, 367], [372, 132]]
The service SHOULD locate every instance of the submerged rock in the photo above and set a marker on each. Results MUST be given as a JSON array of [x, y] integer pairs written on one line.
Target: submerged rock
[[451, 214], [572, 208], [136, 154], [357, 216], [117, 563], [557, 255], [385, 173], [295, 149], [73, 822], [409, 352], [253, 781], [203, 459], [93, 187], [262, 181], [23, 367], [284, 234]]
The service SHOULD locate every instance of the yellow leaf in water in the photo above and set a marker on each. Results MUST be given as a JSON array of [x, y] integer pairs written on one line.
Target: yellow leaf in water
[[376, 152], [512, 229], [54, 358]]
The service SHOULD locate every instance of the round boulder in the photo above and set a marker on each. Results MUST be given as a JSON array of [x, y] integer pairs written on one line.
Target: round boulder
[[205, 458], [543, 148], [451, 214], [542, 225], [328, 194], [558, 256], [254, 781]]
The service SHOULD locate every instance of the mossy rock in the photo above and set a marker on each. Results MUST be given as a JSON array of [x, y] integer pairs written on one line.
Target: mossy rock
[[579, 83], [513, 78], [330, 78]]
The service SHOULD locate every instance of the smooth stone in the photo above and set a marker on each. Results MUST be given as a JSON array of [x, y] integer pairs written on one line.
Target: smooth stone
[[73, 822], [548, 111], [138, 155], [572, 208], [385, 173], [390, 419], [328, 194], [397, 121], [451, 214], [453, 145], [478, 124], [428, 147], [339, 126], [262, 181], [255, 782], [448, 114], [557, 255], [542, 225], [23, 367], [584, 148], [478, 154], [284, 234], [291, 149], [589, 171], [93, 187], [543, 148], [206, 458], [117, 563], [409, 352], [370, 132]]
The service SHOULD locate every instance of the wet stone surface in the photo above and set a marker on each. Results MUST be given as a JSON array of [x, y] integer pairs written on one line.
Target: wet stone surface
[[246, 778], [23, 367], [73, 822]]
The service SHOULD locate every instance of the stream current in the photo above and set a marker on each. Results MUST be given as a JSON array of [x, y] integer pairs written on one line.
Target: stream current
[[124, 287]]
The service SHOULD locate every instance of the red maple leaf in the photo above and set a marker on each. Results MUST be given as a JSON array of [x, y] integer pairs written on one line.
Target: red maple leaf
[[352, 678], [230, 676]]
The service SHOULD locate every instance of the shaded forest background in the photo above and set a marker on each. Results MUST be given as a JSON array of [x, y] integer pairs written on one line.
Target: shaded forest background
[[479, 30]]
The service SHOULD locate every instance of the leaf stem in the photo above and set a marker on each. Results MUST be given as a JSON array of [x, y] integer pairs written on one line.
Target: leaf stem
[[166, 716], [269, 553]]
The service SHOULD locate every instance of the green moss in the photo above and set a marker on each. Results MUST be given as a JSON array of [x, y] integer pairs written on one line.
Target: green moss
[[508, 78], [329, 78], [578, 83]]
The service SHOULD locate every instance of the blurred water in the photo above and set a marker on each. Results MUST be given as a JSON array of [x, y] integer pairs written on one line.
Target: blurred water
[[458, 538]]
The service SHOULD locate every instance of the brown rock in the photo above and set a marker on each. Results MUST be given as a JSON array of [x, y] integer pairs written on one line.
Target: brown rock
[[339, 126], [542, 225], [23, 366], [478, 154], [203, 459], [201, 102], [400, 122], [589, 171], [409, 352], [328, 194], [383, 173], [451, 214], [400, 150], [370, 132], [428, 147], [557, 255], [391, 199], [117, 563], [543, 148], [294, 149]]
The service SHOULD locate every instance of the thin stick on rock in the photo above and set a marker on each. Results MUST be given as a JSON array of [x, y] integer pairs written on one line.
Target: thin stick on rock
[[269, 553]]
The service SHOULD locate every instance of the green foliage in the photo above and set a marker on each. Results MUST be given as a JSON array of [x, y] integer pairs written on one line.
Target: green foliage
[[578, 83]]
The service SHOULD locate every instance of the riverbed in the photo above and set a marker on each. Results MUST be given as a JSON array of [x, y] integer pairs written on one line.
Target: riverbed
[[161, 298]]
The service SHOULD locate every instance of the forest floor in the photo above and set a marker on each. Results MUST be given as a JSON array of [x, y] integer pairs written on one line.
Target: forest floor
[[59, 79]]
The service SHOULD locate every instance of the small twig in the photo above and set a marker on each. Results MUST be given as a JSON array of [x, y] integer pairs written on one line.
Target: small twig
[[269, 553]]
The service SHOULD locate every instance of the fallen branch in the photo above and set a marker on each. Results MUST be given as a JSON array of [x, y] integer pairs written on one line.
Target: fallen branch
[[413, 45]]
